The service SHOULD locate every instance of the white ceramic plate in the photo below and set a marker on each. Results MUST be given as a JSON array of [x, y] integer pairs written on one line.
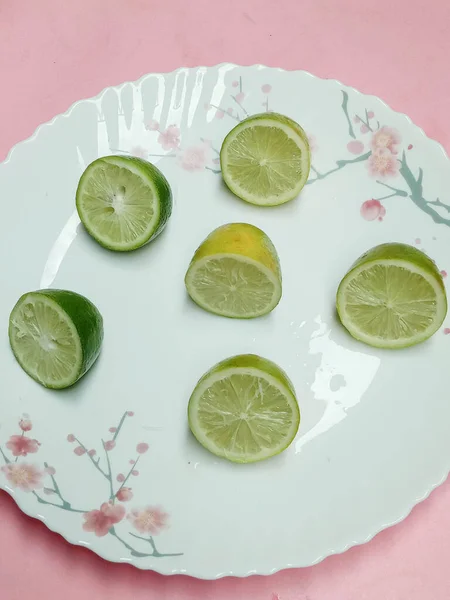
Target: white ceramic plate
[[375, 433]]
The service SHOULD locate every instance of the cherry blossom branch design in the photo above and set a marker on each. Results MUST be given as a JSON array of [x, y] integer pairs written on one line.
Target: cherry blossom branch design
[[148, 521]]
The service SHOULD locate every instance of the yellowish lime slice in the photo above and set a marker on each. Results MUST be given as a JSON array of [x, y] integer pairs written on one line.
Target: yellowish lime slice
[[244, 409], [265, 160], [56, 336], [392, 297], [235, 272], [124, 202]]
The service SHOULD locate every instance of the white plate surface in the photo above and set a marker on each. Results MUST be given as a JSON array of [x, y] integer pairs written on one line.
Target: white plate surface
[[375, 433]]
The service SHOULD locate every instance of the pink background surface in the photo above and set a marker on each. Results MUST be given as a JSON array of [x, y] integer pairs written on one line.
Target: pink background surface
[[52, 55]]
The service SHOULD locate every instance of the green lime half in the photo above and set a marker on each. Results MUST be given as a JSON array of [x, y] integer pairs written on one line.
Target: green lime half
[[244, 409], [235, 272], [56, 336], [265, 160], [124, 202], [392, 297]]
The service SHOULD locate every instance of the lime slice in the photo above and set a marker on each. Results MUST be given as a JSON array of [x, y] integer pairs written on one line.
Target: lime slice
[[392, 297], [244, 409], [124, 202], [235, 272], [265, 160], [56, 336]]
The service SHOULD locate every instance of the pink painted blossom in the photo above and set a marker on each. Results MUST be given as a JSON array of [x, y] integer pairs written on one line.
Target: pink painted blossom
[[235, 83], [148, 520], [386, 138], [382, 163], [447, 331], [230, 111], [20, 445], [110, 444], [92, 452], [371, 114], [355, 147], [70, 438], [356, 119], [112, 429], [220, 114], [372, 210], [216, 161], [130, 413], [101, 521], [418, 241], [139, 152], [444, 274], [23, 476], [79, 451], [124, 494], [170, 138], [152, 125], [240, 97], [50, 470], [364, 129], [410, 147], [25, 425], [135, 472], [131, 461], [142, 448], [120, 477], [266, 88], [194, 158]]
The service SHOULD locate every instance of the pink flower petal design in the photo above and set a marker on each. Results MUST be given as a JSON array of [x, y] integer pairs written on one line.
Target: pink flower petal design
[[124, 494], [25, 425], [220, 114], [444, 274], [71, 438], [382, 163], [112, 429], [355, 147], [139, 152], [447, 331], [371, 114], [23, 476], [266, 88], [79, 451], [101, 521], [386, 138], [142, 448], [120, 477], [372, 210], [235, 84], [20, 445], [50, 470], [240, 97], [150, 520], [109, 445], [92, 452], [194, 158], [130, 413], [152, 125], [170, 138], [364, 129]]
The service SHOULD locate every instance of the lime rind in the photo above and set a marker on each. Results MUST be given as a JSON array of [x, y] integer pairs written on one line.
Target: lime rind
[[196, 295], [261, 370], [101, 201], [55, 336], [410, 260], [293, 132]]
